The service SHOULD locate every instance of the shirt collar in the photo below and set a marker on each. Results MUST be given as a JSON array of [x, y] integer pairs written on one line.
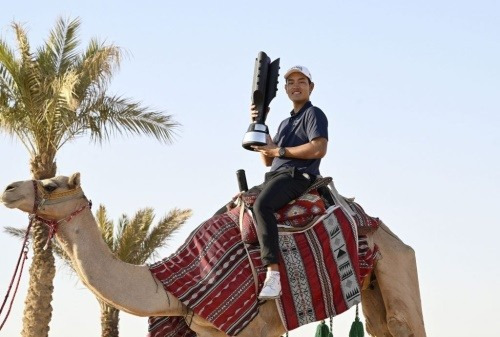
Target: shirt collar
[[306, 106]]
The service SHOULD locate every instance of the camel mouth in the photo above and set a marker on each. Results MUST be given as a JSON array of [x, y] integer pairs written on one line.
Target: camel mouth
[[10, 203]]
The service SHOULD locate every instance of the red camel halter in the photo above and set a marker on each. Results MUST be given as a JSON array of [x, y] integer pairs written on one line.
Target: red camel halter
[[40, 201]]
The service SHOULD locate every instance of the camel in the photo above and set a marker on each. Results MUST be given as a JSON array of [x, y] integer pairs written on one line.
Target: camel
[[390, 299]]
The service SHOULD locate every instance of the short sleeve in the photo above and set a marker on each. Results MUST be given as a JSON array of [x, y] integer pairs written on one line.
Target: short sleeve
[[316, 124], [278, 136]]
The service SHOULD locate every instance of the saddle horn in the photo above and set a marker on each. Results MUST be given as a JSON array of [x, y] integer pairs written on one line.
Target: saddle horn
[[242, 180]]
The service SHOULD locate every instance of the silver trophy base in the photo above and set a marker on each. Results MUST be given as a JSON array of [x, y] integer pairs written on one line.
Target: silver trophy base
[[256, 135]]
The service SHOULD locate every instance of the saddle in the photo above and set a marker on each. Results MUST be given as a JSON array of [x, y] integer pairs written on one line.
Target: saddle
[[301, 213]]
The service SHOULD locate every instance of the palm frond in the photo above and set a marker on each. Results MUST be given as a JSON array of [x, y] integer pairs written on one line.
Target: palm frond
[[13, 116], [18, 233], [60, 110], [22, 43], [29, 81], [158, 236], [10, 115], [15, 81], [106, 227], [96, 67], [123, 238], [8, 69], [133, 235], [108, 116], [62, 44], [141, 222]]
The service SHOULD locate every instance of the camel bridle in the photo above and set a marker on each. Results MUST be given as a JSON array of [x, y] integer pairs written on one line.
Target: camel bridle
[[42, 199]]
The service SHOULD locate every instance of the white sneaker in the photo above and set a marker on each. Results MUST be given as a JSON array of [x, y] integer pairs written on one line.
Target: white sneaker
[[272, 286]]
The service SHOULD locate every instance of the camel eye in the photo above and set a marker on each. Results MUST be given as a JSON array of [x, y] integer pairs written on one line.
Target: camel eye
[[51, 187]]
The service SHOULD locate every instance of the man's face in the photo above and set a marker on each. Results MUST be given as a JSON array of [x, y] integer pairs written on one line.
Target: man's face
[[298, 87]]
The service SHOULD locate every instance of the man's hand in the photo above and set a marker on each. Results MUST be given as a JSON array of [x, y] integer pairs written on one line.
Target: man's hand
[[254, 113], [269, 150]]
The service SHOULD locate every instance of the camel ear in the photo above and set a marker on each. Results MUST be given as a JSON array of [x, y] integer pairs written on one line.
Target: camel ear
[[74, 180]]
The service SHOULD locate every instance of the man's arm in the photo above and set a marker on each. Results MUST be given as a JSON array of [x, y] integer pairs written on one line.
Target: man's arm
[[314, 149], [267, 160]]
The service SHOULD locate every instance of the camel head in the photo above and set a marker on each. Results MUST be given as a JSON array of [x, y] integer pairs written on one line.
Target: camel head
[[51, 199]]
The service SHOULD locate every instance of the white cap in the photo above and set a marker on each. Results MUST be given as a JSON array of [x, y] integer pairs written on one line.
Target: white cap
[[299, 69]]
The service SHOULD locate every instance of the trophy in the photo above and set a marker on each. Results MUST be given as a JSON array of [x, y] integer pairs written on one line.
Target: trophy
[[265, 86]]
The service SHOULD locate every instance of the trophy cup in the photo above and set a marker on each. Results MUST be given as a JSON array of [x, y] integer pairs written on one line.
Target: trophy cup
[[265, 86]]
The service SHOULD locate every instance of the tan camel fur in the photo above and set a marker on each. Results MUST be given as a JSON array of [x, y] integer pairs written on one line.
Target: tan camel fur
[[391, 303]]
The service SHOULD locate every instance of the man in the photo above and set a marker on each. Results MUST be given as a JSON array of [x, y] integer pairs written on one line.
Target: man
[[294, 155]]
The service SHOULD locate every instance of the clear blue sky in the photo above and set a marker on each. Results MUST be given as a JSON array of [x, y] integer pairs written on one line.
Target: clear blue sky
[[411, 90]]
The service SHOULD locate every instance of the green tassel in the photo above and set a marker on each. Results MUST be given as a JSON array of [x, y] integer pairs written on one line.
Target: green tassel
[[322, 330], [357, 329]]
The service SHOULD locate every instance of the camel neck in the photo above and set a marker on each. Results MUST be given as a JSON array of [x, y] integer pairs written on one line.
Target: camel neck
[[117, 283]]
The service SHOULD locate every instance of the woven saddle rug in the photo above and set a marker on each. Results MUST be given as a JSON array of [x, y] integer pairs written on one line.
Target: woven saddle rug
[[211, 273]]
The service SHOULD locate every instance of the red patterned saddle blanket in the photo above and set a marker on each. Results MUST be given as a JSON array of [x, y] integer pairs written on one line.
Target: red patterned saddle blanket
[[300, 213], [217, 276], [295, 215]]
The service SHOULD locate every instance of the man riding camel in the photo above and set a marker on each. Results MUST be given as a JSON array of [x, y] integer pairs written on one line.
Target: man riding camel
[[294, 155]]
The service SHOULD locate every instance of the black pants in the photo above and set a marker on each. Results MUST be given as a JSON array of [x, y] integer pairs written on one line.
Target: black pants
[[279, 188]]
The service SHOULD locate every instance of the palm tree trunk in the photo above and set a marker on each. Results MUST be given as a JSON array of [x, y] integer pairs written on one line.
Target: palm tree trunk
[[109, 320], [43, 166], [37, 305]]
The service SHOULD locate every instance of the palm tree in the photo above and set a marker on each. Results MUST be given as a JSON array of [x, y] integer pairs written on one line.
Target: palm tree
[[133, 240], [49, 97]]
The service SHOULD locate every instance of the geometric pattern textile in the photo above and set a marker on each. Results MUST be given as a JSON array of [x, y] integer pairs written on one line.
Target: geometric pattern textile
[[297, 213], [367, 259], [169, 326], [365, 223], [211, 273], [301, 210], [322, 270]]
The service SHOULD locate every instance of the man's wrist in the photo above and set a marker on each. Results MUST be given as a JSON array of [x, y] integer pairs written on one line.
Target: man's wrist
[[281, 152]]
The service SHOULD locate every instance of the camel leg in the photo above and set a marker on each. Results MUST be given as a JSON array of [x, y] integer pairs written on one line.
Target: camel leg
[[397, 278], [204, 329], [271, 325], [266, 324], [374, 311]]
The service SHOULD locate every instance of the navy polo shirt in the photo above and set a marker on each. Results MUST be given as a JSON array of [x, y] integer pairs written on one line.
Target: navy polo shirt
[[300, 128]]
